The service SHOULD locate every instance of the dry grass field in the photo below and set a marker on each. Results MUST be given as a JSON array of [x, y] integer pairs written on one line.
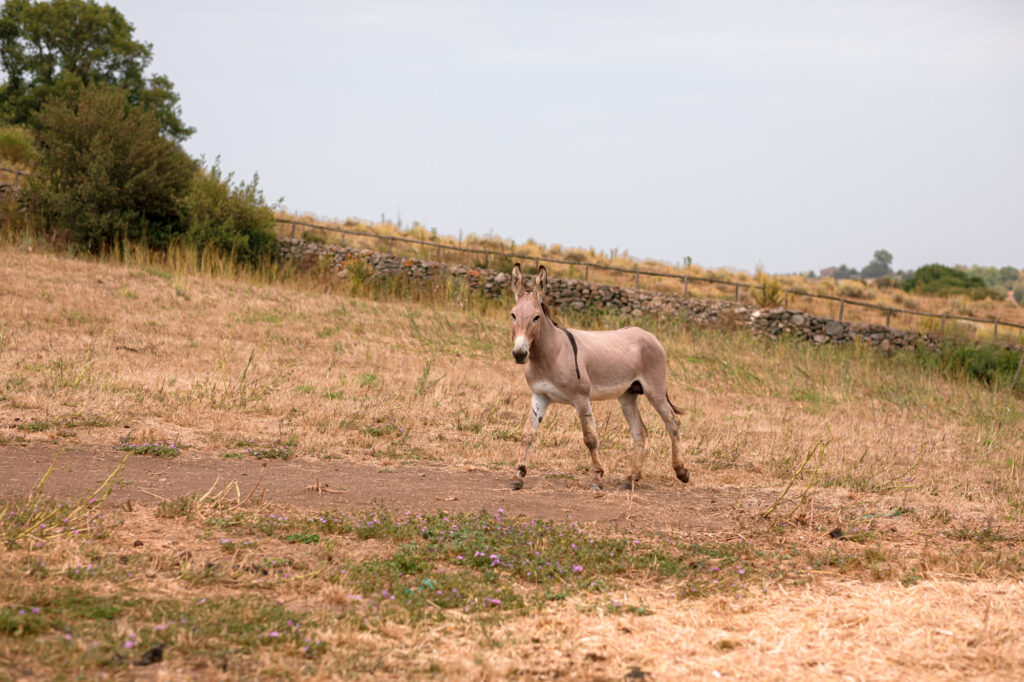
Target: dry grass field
[[850, 515]]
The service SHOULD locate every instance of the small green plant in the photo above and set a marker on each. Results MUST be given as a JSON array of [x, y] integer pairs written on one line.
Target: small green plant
[[179, 507], [424, 383], [276, 450], [981, 535], [161, 448], [384, 428], [368, 380], [303, 538]]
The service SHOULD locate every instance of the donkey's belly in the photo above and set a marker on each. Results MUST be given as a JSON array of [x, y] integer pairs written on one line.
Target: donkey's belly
[[608, 391]]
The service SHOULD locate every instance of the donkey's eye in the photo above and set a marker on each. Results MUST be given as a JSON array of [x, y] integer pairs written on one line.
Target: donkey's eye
[[513, 317], [536, 318]]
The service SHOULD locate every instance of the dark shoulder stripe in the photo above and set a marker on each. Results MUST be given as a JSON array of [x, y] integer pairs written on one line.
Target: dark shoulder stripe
[[575, 351]]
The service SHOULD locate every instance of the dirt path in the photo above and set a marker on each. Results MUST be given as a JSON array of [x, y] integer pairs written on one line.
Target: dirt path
[[690, 509]]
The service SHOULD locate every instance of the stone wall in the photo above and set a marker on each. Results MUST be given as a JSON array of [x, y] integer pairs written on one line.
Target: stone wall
[[579, 294]]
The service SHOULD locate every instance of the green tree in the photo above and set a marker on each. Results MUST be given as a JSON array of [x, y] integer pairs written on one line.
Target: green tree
[[880, 265], [51, 49], [105, 172]]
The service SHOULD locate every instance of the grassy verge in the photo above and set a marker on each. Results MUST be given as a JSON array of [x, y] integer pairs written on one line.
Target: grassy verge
[[203, 586]]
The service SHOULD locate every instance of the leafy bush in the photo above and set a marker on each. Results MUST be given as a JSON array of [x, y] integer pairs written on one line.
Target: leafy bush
[[229, 218], [17, 145], [940, 280], [985, 362], [106, 174], [768, 293]]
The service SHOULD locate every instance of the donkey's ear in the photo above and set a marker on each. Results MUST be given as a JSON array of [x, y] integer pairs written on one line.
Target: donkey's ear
[[518, 287], [541, 282]]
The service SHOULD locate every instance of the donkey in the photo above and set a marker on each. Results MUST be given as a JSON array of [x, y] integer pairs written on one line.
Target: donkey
[[573, 367]]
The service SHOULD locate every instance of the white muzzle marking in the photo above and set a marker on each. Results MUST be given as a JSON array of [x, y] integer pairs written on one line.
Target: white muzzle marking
[[521, 349]]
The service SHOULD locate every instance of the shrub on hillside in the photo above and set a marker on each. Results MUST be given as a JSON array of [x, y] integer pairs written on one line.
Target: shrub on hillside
[[939, 280], [106, 174], [769, 291], [17, 145], [227, 217], [985, 362], [852, 288]]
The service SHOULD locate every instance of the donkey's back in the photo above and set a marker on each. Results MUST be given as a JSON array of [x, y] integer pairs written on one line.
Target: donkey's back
[[613, 360]]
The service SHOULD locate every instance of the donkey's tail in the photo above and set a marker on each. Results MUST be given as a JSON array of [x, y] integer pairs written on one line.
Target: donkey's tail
[[674, 408]]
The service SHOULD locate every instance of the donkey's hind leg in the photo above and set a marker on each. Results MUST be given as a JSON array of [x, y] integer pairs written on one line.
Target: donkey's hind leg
[[667, 412], [590, 439], [636, 427]]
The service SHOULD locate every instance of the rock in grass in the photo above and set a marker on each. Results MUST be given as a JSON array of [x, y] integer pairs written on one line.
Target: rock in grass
[[153, 655]]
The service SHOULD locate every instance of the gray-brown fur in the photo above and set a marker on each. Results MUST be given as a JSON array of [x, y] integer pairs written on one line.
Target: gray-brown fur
[[620, 364]]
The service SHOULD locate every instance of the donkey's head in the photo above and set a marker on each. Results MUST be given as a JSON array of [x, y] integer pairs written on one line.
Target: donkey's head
[[527, 313]]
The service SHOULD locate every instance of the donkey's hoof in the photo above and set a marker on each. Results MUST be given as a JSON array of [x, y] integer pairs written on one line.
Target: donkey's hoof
[[683, 475], [596, 487], [516, 484], [628, 484]]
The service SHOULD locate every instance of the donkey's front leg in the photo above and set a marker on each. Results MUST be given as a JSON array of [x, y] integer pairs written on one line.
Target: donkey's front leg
[[538, 406], [590, 439]]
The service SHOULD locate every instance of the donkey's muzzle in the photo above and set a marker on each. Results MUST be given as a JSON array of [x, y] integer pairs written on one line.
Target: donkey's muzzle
[[520, 356]]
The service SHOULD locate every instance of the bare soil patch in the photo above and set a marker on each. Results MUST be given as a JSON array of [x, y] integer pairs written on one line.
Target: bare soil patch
[[348, 485]]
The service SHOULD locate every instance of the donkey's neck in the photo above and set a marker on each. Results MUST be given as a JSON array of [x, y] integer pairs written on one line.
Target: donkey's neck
[[548, 343]]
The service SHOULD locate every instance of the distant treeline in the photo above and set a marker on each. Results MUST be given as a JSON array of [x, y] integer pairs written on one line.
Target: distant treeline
[[976, 282]]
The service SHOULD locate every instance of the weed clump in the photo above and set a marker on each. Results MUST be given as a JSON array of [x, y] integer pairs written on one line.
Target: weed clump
[[161, 448]]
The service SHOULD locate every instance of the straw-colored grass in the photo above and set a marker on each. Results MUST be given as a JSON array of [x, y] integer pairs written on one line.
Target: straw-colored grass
[[923, 471]]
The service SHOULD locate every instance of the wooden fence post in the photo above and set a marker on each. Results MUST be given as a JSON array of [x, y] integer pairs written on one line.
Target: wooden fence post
[[293, 230], [487, 260], [786, 304], [842, 302], [736, 294], [995, 329], [390, 243], [686, 285], [888, 316], [1016, 374], [942, 327], [636, 281], [586, 273], [439, 251]]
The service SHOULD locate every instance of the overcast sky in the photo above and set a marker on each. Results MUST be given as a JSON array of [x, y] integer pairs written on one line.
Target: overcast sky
[[794, 134]]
